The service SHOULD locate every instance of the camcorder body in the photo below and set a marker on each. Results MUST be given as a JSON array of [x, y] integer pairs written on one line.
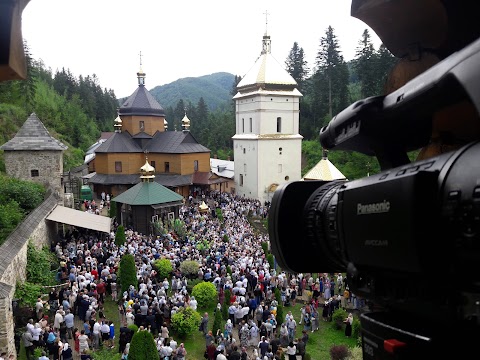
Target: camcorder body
[[408, 238]]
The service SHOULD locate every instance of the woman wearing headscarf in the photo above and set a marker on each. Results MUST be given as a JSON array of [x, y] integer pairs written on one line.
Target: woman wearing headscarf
[[67, 352], [348, 325]]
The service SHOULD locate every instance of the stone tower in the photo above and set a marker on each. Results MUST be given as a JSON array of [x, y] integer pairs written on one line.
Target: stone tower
[[267, 145], [34, 155]]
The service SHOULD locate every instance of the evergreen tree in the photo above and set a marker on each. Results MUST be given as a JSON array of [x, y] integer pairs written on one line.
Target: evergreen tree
[[113, 209], [29, 85], [330, 88], [142, 347], [297, 65], [200, 125], [178, 114], [64, 83], [120, 235], [217, 321], [127, 272], [365, 66], [385, 63]]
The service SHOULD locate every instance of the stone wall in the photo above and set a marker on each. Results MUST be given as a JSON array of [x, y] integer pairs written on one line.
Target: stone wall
[[13, 261], [48, 165]]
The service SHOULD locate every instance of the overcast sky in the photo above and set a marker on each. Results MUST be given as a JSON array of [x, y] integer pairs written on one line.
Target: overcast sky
[[178, 39]]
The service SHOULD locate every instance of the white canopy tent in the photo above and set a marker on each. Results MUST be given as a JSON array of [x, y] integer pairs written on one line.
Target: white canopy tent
[[81, 219]]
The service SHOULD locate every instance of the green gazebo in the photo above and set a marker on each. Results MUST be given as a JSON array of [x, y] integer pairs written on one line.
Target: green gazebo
[[147, 202]]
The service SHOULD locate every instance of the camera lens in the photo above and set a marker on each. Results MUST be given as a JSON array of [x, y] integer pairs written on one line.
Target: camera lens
[[302, 226], [320, 214]]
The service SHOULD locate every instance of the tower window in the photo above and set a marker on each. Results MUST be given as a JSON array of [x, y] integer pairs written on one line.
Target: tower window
[[244, 150], [34, 173], [251, 125], [241, 180], [118, 166], [167, 166], [195, 165], [243, 125], [279, 124], [279, 168], [141, 125]]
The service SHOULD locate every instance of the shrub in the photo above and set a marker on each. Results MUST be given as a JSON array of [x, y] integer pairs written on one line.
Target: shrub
[[185, 322], [189, 268], [225, 310], [164, 268], [27, 194], [339, 352], [27, 293], [271, 260], [10, 216], [17, 199], [142, 347], [37, 352], [205, 293], [228, 296], [180, 228], [219, 214], [39, 265], [278, 295], [265, 247], [279, 315], [217, 322], [112, 212], [120, 236], [338, 317], [356, 353], [127, 272], [105, 354], [356, 328], [191, 284], [307, 356], [225, 238], [133, 327]]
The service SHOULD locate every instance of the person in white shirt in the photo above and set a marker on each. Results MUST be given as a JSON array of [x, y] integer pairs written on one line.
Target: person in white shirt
[[105, 331], [221, 356], [58, 319], [166, 351], [193, 303], [173, 343], [96, 335]]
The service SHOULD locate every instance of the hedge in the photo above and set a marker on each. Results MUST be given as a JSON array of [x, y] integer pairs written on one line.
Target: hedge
[[127, 272]]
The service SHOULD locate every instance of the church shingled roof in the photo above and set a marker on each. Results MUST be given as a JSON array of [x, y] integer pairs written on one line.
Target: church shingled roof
[[175, 142], [119, 143], [33, 135], [141, 103]]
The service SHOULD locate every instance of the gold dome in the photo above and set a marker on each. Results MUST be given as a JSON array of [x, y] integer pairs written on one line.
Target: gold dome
[[147, 168]]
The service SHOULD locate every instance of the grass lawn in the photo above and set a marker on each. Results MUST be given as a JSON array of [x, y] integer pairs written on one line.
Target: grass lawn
[[320, 342]]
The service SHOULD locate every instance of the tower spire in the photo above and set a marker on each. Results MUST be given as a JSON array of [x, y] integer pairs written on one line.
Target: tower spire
[[266, 21], [266, 42], [140, 73]]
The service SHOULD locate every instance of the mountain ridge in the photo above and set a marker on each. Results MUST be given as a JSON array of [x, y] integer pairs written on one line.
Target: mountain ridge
[[215, 89]]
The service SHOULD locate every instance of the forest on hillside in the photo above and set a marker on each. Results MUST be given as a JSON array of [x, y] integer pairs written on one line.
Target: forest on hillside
[[77, 110]]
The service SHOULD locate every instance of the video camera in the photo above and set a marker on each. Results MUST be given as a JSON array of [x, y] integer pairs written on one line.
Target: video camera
[[408, 238]]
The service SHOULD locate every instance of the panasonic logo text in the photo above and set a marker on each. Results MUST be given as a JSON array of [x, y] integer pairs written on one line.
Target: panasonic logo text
[[375, 208]]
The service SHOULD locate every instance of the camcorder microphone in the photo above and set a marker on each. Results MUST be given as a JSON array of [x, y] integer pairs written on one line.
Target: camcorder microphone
[[408, 238]]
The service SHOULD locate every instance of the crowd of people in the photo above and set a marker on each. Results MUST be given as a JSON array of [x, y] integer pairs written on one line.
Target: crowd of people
[[89, 265]]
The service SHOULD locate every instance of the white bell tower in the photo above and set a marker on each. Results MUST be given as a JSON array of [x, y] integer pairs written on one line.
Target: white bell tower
[[267, 145]]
